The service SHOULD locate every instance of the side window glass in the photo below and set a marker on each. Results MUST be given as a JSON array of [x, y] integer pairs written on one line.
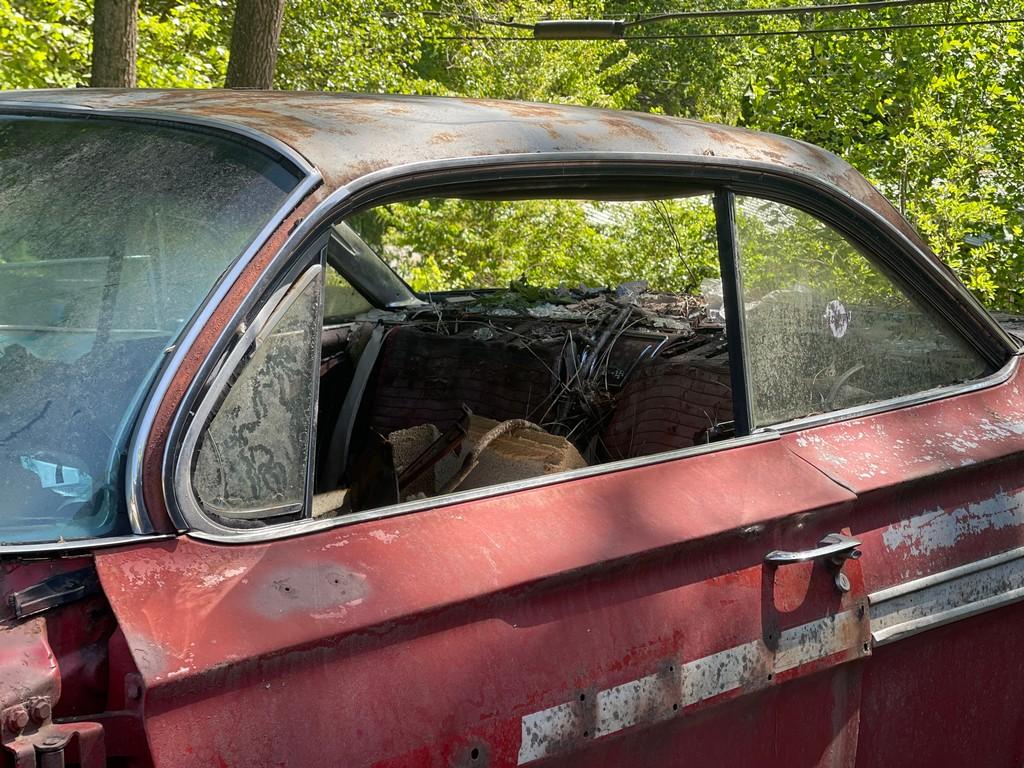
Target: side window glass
[[341, 300], [824, 329], [251, 460]]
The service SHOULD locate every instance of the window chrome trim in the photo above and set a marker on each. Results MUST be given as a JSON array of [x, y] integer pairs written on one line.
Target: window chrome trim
[[1001, 376], [310, 525], [140, 521], [251, 338], [720, 172], [81, 545]]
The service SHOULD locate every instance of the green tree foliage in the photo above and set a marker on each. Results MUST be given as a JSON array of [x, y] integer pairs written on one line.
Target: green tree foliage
[[932, 115], [445, 243], [44, 44]]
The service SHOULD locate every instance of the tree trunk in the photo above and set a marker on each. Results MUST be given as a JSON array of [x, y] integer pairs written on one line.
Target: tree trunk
[[254, 37], [115, 33]]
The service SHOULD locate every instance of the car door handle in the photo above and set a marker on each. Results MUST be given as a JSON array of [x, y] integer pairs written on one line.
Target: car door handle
[[834, 550]]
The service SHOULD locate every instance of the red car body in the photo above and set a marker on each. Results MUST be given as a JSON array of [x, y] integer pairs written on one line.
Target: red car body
[[621, 616]]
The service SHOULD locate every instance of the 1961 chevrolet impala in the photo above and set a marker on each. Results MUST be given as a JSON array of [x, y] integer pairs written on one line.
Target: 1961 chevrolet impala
[[732, 475]]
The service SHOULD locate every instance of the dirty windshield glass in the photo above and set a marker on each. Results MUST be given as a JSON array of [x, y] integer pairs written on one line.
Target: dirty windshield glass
[[111, 234]]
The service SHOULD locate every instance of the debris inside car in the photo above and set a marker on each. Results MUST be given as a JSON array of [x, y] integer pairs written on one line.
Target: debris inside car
[[475, 388]]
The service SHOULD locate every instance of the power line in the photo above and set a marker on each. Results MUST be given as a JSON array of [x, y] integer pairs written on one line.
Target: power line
[[620, 25], [762, 33], [871, 5], [481, 20], [831, 30]]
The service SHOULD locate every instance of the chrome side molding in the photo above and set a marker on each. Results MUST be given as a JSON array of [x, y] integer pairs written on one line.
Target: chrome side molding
[[933, 601]]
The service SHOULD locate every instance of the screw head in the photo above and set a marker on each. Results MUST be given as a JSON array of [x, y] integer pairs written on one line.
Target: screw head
[[842, 582], [17, 719], [41, 711]]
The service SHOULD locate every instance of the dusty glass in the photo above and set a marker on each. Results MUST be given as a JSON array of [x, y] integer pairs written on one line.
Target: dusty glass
[[111, 235], [341, 300], [253, 456], [825, 329]]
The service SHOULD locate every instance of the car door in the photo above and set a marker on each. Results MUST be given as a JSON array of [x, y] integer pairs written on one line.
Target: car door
[[699, 606], [624, 616], [940, 515], [937, 475]]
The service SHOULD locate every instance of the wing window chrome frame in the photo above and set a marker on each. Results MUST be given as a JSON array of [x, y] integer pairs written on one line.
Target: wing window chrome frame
[[137, 428], [250, 337], [812, 194]]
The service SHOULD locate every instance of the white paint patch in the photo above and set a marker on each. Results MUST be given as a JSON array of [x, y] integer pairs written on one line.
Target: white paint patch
[[546, 732], [213, 579], [941, 529], [383, 536], [666, 693], [837, 317], [647, 699]]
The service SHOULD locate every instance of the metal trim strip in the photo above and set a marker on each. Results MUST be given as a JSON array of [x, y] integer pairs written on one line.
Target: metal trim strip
[[676, 688], [309, 525], [907, 609], [83, 545]]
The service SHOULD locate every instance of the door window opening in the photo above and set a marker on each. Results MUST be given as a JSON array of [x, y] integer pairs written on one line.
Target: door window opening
[[552, 335]]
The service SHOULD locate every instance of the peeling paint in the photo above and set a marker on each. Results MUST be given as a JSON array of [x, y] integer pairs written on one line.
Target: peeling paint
[[213, 579], [673, 688], [941, 529]]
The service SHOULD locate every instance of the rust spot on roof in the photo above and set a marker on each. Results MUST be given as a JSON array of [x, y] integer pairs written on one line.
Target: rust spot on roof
[[619, 126], [524, 108], [288, 128], [444, 137], [347, 135]]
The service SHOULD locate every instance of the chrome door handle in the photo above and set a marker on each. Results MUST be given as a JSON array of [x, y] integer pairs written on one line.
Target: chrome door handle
[[834, 546], [835, 549]]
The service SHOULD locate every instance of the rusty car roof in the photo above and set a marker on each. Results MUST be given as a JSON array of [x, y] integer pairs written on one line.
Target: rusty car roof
[[346, 136]]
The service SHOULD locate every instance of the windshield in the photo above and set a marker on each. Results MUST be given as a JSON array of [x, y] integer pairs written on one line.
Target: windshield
[[111, 235]]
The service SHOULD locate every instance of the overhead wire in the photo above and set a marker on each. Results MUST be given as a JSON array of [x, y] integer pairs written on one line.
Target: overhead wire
[[759, 33], [481, 20], [795, 10], [639, 20]]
